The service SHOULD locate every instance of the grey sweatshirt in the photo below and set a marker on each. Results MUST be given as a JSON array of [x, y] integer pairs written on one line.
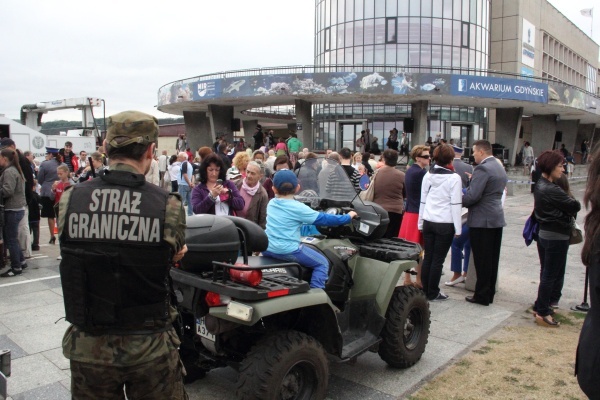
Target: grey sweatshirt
[[13, 189]]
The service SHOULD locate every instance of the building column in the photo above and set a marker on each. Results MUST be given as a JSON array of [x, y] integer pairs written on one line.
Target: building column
[[249, 130], [419, 114], [543, 129], [220, 121], [508, 126], [304, 121], [197, 129]]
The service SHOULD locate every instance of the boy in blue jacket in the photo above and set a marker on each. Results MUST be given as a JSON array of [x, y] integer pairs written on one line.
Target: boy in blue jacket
[[285, 217]]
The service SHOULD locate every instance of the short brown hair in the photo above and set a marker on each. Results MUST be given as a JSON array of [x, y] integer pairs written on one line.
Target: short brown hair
[[548, 160], [484, 146], [204, 151], [390, 157], [418, 150], [443, 154]]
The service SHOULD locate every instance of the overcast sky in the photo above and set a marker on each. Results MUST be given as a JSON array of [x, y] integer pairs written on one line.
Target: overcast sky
[[123, 51]]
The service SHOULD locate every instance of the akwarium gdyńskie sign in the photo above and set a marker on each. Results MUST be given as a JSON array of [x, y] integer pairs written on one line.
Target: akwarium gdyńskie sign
[[499, 88]]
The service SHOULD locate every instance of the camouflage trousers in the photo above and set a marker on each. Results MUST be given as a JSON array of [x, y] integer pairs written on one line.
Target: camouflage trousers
[[161, 378]]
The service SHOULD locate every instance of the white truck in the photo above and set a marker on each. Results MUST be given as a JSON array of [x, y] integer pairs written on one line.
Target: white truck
[[26, 138], [27, 135]]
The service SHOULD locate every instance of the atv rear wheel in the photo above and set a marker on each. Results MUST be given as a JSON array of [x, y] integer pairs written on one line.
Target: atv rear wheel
[[288, 365], [406, 330]]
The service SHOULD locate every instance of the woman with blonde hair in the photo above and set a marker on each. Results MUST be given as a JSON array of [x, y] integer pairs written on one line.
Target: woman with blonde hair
[[238, 170]]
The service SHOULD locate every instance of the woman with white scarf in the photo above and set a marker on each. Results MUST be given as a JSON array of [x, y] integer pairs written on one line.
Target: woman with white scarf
[[254, 195]]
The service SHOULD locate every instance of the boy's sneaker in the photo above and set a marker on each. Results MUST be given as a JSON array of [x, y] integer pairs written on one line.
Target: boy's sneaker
[[440, 297], [35, 248]]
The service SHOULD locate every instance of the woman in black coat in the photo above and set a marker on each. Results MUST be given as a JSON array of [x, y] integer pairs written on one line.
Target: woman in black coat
[[587, 366], [555, 211]]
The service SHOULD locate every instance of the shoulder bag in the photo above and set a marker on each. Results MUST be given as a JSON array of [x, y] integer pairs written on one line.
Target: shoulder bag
[[369, 194], [576, 234]]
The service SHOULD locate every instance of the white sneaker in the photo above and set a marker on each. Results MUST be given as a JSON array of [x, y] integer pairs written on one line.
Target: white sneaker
[[458, 280], [59, 258]]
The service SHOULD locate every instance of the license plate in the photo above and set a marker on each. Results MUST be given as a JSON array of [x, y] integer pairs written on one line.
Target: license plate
[[202, 331]]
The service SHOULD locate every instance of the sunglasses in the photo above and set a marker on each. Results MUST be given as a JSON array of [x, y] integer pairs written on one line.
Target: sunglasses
[[426, 156]]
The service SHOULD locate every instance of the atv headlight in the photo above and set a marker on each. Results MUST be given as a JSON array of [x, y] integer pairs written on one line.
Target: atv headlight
[[239, 311]]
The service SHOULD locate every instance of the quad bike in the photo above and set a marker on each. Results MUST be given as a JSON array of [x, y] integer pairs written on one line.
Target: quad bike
[[259, 315]]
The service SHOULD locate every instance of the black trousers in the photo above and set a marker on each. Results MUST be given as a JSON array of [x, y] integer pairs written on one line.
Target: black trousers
[[393, 227], [438, 239], [485, 244]]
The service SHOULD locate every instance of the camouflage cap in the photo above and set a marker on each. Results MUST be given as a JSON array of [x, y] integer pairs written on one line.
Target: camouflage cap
[[139, 127]]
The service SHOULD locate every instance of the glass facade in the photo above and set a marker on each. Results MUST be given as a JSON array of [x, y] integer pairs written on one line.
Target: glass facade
[[427, 33]]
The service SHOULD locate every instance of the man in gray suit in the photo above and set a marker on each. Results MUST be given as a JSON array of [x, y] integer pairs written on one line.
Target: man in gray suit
[[463, 169], [485, 220]]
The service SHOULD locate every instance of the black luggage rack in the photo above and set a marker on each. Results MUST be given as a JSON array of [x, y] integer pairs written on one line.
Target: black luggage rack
[[392, 249], [219, 281]]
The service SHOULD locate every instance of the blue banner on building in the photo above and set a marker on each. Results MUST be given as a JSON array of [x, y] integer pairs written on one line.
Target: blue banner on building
[[499, 88], [206, 89]]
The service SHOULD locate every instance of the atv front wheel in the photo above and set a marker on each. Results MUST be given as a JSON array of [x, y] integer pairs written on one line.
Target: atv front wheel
[[406, 330], [288, 365]]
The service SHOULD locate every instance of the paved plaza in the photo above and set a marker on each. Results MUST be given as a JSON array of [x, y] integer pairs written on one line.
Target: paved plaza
[[32, 324]]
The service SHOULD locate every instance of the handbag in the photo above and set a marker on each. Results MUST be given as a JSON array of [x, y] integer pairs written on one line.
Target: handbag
[[531, 229], [369, 194], [576, 234]]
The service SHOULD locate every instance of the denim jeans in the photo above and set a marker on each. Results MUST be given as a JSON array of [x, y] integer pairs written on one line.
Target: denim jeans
[[438, 238], [11, 233], [461, 250], [553, 261], [309, 258], [186, 195]]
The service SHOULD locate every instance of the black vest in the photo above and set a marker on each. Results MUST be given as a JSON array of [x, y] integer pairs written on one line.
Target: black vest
[[115, 264]]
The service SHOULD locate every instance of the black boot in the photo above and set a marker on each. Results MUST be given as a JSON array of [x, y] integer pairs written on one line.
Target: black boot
[[34, 227]]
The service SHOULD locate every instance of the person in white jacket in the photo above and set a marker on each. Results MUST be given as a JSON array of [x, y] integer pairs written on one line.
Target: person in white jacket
[[439, 218]]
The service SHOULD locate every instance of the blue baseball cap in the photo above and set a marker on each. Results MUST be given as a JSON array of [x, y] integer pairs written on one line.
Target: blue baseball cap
[[285, 180], [457, 149]]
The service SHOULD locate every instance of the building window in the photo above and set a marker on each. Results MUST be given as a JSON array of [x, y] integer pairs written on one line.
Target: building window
[[327, 39], [465, 38], [390, 30]]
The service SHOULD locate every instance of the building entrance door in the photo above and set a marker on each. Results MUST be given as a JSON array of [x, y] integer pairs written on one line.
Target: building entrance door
[[350, 131], [461, 135]]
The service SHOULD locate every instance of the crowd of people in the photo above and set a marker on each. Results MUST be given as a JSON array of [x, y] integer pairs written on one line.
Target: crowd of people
[[439, 201]]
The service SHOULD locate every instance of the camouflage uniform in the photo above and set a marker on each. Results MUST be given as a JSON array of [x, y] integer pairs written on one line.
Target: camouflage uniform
[[146, 365]]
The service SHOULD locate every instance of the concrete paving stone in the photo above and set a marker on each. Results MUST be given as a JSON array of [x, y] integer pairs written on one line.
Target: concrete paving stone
[[340, 388], [41, 338], [58, 291], [219, 384], [34, 317], [54, 391], [66, 383], [15, 350], [3, 329], [56, 357], [21, 289], [32, 372], [462, 325], [372, 372], [27, 300], [52, 283]]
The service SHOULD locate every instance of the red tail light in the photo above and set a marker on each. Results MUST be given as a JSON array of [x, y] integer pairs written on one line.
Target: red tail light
[[242, 274], [215, 299]]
